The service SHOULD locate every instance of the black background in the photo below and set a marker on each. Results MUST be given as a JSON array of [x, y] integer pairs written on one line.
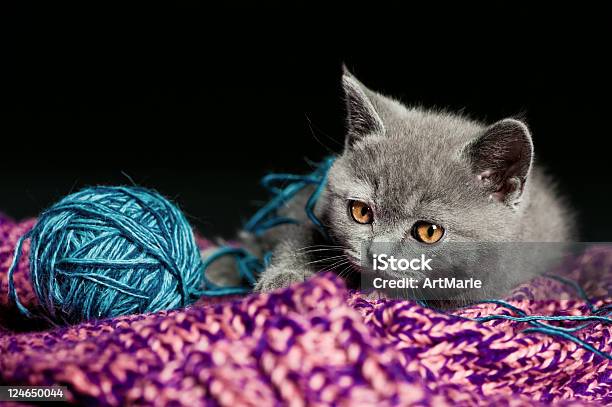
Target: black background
[[199, 103]]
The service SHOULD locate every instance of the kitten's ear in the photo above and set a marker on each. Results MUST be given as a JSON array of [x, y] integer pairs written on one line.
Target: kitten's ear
[[361, 116], [501, 159]]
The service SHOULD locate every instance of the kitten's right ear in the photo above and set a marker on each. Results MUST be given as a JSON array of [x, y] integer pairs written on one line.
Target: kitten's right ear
[[501, 159], [361, 116]]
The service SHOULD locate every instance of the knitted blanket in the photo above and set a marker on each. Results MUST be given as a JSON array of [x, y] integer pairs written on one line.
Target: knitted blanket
[[313, 343]]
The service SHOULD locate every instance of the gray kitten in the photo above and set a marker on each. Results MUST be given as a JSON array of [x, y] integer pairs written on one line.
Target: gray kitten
[[417, 176]]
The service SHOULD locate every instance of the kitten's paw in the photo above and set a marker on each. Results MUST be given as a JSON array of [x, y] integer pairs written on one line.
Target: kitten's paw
[[273, 281]]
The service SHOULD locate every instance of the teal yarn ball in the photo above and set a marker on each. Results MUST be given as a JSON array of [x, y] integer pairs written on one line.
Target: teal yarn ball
[[109, 251]]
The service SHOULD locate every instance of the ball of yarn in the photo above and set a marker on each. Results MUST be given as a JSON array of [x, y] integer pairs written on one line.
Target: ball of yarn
[[109, 251]]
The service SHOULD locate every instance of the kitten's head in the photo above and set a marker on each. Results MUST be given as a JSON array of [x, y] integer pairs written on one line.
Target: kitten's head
[[426, 177]]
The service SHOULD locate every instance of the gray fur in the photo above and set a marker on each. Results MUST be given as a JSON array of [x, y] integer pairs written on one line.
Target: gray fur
[[480, 182]]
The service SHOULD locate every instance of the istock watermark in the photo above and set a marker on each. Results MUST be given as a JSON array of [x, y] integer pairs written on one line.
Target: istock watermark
[[384, 262]]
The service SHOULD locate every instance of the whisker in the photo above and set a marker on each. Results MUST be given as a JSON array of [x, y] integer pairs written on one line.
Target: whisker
[[327, 259], [318, 250], [346, 271], [337, 264], [319, 246]]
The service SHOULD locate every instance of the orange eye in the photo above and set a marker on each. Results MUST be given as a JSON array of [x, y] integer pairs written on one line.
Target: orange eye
[[427, 232], [361, 212]]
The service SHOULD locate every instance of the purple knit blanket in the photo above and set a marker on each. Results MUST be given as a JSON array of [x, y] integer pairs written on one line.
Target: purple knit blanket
[[315, 343]]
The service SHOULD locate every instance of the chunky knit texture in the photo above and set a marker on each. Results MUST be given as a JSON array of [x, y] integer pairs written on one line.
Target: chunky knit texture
[[315, 342]]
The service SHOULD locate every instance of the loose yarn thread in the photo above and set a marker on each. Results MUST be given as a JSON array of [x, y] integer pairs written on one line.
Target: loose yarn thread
[[539, 323], [250, 266], [109, 251]]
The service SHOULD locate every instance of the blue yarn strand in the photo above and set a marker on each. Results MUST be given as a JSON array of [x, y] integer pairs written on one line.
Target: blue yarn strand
[[538, 322], [12, 292], [562, 318], [258, 224], [250, 266], [315, 196], [538, 326], [576, 287], [579, 342]]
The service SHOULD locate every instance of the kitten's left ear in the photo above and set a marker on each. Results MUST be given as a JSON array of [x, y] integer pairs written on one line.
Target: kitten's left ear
[[501, 159], [362, 119]]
